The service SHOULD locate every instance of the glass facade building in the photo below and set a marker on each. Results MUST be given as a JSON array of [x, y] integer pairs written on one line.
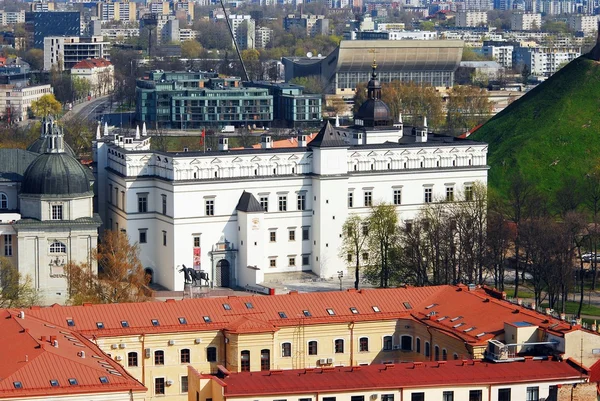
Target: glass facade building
[[52, 23]]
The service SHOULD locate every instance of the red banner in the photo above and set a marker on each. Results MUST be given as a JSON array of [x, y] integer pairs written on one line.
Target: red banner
[[196, 258]]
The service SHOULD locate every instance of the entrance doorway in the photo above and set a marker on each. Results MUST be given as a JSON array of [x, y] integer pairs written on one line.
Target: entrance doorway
[[149, 275], [222, 273]]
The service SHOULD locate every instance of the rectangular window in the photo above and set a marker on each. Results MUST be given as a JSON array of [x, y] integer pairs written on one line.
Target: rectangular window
[[117, 197], [211, 354], [301, 202], [8, 249], [123, 200], [273, 262], [328, 398], [468, 192], [368, 198], [184, 384], [350, 199], [196, 242], [164, 238], [475, 395], [143, 205], [449, 194], [312, 348], [57, 212], [428, 195], [185, 356], [305, 235], [286, 350], [164, 203], [272, 236], [291, 261], [264, 203], [292, 235], [387, 397], [110, 192], [533, 394], [305, 260], [209, 207], [357, 398], [159, 385], [143, 236], [503, 394], [282, 203], [417, 397], [448, 396], [397, 196]]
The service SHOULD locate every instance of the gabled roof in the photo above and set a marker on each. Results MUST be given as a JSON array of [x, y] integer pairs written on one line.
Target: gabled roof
[[434, 306], [91, 63], [31, 361], [328, 137], [249, 325], [248, 204], [403, 375]]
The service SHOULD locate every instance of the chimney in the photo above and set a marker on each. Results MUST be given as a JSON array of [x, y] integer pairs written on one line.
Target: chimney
[[301, 141], [55, 343], [52, 339], [82, 354], [223, 144], [265, 142], [421, 134], [21, 315]]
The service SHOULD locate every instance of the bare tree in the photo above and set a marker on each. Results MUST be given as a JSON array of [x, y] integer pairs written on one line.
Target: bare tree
[[383, 231], [354, 243], [16, 291]]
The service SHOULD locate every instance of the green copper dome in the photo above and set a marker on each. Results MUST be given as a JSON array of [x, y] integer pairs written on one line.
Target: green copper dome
[[55, 174]]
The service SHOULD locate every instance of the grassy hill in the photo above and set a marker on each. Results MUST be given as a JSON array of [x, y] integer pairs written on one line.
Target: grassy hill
[[551, 134]]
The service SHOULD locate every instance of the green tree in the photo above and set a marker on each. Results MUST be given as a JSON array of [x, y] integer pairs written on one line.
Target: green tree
[[427, 26], [383, 234], [312, 84], [16, 291], [414, 101], [121, 277], [360, 96], [81, 87], [191, 49], [354, 243], [35, 58], [467, 106], [45, 106]]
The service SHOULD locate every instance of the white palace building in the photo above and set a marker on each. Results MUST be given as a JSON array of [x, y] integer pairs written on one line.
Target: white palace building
[[239, 214]]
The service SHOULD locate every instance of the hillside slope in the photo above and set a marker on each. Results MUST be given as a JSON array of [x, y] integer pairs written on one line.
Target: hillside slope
[[551, 134]]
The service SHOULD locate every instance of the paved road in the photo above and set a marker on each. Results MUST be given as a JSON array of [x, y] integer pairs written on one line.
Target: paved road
[[88, 109]]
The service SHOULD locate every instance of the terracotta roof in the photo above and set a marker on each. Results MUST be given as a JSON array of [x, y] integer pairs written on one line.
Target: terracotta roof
[[92, 63], [285, 143], [30, 361], [404, 375], [248, 325], [435, 306]]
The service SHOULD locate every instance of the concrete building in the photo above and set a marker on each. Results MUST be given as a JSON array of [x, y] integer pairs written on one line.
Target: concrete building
[[441, 331], [390, 35], [117, 11], [416, 381], [47, 219], [165, 28], [263, 37], [470, 19], [187, 34], [478, 72], [544, 61], [586, 24], [159, 7], [63, 52], [501, 53], [118, 34], [244, 31], [52, 23], [313, 25], [192, 100], [525, 22], [59, 364], [11, 17], [41, 5], [479, 5], [15, 100], [100, 73], [422, 61], [275, 210]]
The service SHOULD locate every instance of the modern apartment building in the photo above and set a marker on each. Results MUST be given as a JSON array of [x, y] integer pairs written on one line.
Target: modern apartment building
[[11, 17], [526, 21], [192, 100], [15, 100], [244, 31], [312, 25], [263, 37], [499, 52], [469, 19], [63, 52], [544, 61], [52, 23], [586, 24], [117, 11]]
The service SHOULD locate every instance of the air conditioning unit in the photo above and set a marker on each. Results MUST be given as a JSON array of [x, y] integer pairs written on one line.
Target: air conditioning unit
[[171, 342], [373, 396], [122, 346], [198, 341], [397, 347], [114, 346], [147, 352], [322, 361], [169, 382], [118, 358], [329, 360]]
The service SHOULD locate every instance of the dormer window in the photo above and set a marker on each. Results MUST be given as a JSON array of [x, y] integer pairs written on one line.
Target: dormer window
[[124, 323]]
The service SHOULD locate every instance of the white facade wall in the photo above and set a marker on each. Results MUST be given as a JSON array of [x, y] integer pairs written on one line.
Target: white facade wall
[[588, 24], [471, 18], [526, 22], [500, 54], [325, 176], [18, 100]]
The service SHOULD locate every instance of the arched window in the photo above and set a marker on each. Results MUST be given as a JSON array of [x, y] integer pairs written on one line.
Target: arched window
[[363, 344], [427, 348], [286, 350], [132, 359], [437, 353], [265, 359], [58, 247], [3, 201], [455, 356], [444, 354], [312, 348], [418, 345], [406, 343], [339, 346], [245, 361], [185, 356], [388, 343]]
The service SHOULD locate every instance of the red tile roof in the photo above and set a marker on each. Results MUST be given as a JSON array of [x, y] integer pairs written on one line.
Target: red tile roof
[[435, 306], [92, 63], [29, 358], [404, 375], [283, 143]]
